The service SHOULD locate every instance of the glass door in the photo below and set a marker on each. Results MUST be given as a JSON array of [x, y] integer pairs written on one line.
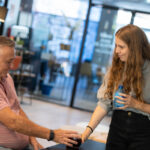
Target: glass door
[[97, 53], [142, 20], [57, 31]]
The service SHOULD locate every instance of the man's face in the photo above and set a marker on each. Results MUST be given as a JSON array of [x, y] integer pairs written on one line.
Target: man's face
[[7, 55]]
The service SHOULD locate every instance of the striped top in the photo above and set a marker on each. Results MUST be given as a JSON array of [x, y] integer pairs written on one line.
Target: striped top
[[8, 98]]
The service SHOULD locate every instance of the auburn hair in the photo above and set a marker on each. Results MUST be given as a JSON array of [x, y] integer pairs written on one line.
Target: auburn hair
[[139, 51]]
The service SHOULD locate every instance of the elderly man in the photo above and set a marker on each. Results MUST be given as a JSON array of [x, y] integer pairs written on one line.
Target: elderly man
[[16, 130]]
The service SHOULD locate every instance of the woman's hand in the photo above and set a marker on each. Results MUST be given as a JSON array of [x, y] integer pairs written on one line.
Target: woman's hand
[[66, 137], [84, 137], [36, 145], [127, 100], [86, 134]]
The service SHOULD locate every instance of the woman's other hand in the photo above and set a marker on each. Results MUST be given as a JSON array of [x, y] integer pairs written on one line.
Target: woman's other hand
[[127, 100]]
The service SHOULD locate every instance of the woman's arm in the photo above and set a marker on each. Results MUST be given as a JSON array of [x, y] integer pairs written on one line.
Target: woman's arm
[[97, 116]]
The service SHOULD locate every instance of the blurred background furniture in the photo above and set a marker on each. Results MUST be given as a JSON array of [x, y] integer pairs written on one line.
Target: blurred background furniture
[[23, 75], [16, 63]]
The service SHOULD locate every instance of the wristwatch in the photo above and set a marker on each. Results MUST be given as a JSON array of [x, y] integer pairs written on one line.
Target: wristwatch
[[51, 135]]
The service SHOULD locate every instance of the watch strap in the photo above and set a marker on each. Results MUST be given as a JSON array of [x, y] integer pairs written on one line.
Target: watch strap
[[51, 135]]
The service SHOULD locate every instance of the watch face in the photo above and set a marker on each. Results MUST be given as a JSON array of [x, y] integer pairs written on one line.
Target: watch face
[[51, 135]]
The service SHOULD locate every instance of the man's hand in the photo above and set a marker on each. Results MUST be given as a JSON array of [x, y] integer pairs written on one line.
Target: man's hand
[[35, 143], [66, 137]]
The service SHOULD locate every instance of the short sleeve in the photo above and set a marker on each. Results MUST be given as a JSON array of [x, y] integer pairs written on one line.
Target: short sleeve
[[3, 100], [105, 103]]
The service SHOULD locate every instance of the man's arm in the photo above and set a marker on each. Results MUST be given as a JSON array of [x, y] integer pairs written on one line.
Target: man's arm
[[36, 145], [25, 126], [22, 113], [22, 124]]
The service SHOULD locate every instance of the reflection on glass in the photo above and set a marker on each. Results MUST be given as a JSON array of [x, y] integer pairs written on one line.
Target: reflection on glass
[[97, 55], [142, 20], [57, 31]]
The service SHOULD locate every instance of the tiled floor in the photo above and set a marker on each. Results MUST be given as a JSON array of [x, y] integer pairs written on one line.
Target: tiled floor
[[54, 116]]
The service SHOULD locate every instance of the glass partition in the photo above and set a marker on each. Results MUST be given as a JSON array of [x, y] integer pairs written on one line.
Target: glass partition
[[142, 20], [57, 31], [97, 54]]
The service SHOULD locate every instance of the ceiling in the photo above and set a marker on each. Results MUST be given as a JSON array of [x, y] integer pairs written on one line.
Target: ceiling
[[135, 5]]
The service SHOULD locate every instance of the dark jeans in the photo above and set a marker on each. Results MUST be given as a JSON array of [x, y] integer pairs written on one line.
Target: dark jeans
[[128, 131]]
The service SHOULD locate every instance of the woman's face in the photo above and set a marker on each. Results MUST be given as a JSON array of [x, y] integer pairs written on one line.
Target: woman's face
[[121, 49]]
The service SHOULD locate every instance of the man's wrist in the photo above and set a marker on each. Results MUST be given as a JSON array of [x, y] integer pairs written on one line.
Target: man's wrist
[[51, 135]]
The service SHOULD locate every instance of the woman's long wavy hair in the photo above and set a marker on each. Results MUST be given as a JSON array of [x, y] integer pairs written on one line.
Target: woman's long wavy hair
[[131, 70]]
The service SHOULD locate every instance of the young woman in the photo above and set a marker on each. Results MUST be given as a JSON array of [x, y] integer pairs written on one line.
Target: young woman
[[130, 124]]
